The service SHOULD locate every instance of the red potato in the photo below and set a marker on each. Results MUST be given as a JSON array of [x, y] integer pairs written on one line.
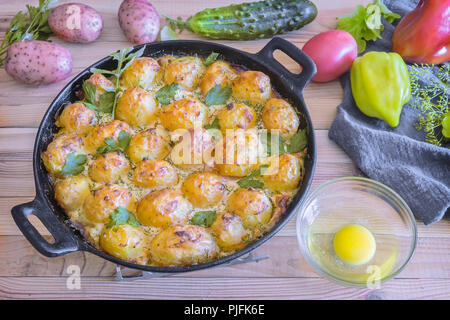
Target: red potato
[[139, 21], [76, 22], [38, 62], [333, 53]]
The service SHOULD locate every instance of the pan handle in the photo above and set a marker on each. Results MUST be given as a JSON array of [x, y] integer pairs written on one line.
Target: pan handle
[[64, 242], [298, 81]]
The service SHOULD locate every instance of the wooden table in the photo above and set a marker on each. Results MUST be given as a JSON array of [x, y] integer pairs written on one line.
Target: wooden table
[[24, 273]]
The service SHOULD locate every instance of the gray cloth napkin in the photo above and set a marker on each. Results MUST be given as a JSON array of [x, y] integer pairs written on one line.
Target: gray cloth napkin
[[397, 157]]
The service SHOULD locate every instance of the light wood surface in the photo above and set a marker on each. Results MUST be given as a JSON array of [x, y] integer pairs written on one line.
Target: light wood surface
[[25, 274]]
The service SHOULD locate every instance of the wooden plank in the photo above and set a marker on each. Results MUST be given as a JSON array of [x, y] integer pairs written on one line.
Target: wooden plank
[[217, 288], [18, 258]]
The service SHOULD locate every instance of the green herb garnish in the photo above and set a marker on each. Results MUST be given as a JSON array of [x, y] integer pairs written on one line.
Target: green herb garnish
[[166, 93], [217, 95], [32, 25], [111, 145], [105, 102], [204, 218], [250, 181], [266, 140], [74, 164], [365, 23], [122, 216], [213, 125], [211, 58], [298, 142]]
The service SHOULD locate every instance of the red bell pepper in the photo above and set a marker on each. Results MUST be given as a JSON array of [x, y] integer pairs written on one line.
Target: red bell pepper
[[423, 35]]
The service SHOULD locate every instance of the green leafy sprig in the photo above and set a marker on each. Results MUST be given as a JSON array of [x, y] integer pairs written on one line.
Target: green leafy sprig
[[251, 180], [296, 144], [166, 93], [122, 216], [74, 164], [204, 218], [32, 25], [124, 58], [105, 102], [213, 125], [111, 145], [211, 59], [217, 95]]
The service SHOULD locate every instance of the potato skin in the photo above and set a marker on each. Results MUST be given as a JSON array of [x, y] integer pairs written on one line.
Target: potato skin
[[163, 208], [141, 73], [183, 245], [236, 116], [253, 87], [54, 158], [149, 144], [288, 174], [38, 62], [105, 199], [137, 107], [279, 114], [76, 118], [229, 231], [155, 173], [109, 167], [125, 242], [203, 189], [199, 144], [239, 154], [96, 137], [220, 72], [186, 113], [186, 71], [139, 21], [253, 206], [72, 191], [75, 22]]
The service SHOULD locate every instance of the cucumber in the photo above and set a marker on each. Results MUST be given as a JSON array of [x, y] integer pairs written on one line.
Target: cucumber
[[248, 21]]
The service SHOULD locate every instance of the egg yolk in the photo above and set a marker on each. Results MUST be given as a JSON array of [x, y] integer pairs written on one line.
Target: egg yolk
[[354, 244]]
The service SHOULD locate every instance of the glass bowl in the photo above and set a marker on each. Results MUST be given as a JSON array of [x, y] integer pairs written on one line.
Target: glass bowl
[[355, 200]]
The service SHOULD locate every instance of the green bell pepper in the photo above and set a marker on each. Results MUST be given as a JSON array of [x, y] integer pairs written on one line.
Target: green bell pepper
[[381, 85]]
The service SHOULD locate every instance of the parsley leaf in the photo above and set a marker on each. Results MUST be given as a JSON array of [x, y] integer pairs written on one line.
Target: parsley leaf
[[365, 23], [250, 181], [298, 142], [211, 58], [204, 218], [266, 140], [74, 164], [217, 95], [166, 93], [213, 125], [122, 216], [111, 145], [106, 102]]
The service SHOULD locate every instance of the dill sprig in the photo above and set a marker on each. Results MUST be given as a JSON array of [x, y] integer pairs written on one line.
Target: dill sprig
[[430, 90]]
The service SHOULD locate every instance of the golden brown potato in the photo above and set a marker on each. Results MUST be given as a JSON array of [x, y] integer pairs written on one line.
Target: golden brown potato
[[203, 189], [71, 192], [141, 73], [109, 167], [149, 144], [279, 114], [126, 242], [162, 208], [186, 113], [253, 206], [96, 137], [253, 87], [155, 173], [105, 199], [193, 150], [237, 155], [137, 107], [185, 71], [236, 116], [102, 84], [59, 149], [229, 231], [220, 72], [284, 172], [76, 118], [183, 245]]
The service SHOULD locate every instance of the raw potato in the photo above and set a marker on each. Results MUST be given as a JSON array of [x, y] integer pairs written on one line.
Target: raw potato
[[139, 21], [75, 22], [38, 62]]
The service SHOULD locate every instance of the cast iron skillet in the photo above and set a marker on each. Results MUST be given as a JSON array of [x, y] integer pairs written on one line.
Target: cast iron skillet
[[68, 239]]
